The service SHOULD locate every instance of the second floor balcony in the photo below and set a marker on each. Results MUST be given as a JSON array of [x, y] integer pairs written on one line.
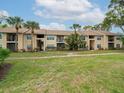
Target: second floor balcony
[[91, 37], [111, 39], [60, 39], [11, 37]]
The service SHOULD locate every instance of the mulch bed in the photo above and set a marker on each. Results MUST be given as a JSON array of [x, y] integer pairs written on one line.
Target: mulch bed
[[4, 70]]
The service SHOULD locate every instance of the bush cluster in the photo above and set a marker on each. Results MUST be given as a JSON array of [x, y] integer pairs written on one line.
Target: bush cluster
[[4, 53]]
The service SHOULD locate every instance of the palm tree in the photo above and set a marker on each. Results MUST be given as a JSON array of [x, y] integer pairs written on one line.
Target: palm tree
[[2, 18], [88, 27], [74, 37], [32, 25], [116, 2], [76, 27], [17, 23]]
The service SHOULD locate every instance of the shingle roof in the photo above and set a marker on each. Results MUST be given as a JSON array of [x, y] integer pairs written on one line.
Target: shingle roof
[[56, 32]]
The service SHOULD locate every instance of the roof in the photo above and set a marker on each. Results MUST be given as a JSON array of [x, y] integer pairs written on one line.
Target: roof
[[56, 32]]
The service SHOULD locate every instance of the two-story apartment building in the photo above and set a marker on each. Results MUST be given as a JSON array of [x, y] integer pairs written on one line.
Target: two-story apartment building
[[55, 39]]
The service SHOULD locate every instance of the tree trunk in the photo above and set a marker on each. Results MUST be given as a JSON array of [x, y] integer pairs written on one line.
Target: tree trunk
[[16, 40], [75, 31], [32, 40]]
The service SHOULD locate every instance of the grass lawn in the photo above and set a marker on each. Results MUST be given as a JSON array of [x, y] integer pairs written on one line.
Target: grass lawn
[[100, 74], [59, 53]]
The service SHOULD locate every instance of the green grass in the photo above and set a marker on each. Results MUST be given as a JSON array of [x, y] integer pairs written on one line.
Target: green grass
[[59, 53], [100, 74], [38, 54]]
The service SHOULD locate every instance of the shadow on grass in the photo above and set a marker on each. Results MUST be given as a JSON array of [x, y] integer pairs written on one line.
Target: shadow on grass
[[4, 69]]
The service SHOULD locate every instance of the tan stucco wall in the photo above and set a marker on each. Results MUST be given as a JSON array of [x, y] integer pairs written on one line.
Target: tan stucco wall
[[20, 41], [103, 41], [99, 42], [87, 42], [3, 40], [51, 42], [22, 38], [117, 42]]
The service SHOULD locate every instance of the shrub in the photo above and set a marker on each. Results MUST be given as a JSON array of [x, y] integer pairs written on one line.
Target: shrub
[[75, 41], [4, 53]]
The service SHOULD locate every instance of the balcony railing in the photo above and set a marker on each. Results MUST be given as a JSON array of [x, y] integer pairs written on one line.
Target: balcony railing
[[60, 40], [42, 39]]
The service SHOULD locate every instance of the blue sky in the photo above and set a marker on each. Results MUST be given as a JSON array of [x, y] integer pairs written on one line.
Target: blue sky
[[57, 14]]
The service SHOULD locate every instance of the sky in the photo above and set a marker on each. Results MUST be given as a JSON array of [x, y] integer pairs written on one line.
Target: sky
[[57, 14]]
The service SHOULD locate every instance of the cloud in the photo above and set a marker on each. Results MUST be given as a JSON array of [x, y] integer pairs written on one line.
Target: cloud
[[79, 10], [53, 26], [3, 13]]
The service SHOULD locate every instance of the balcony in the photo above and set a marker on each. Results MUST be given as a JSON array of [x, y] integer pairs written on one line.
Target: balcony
[[111, 39], [11, 38], [41, 37], [91, 37], [60, 39]]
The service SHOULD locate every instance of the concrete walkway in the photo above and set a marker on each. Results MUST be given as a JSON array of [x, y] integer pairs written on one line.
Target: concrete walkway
[[70, 55]]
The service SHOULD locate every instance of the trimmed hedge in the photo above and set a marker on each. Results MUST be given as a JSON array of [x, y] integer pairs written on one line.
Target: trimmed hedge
[[4, 53]]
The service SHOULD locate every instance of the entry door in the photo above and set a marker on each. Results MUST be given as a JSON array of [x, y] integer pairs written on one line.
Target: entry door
[[92, 44], [39, 45]]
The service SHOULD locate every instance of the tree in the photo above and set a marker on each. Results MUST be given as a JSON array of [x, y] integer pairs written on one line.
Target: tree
[[3, 25], [32, 25], [95, 27], [88, 27], [75, 41], [17, 23], [2, 18], [4, 53], [76, 27], [115, 16]]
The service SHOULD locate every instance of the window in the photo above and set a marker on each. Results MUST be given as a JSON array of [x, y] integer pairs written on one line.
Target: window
[[118, 46], [0, 35], [98, 46], [98, 37], [28, 37], [50, 37], [0, 45]]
